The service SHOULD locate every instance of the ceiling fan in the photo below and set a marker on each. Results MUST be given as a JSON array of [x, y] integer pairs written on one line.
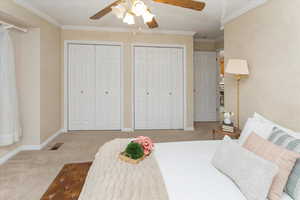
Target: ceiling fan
[[128, 9]]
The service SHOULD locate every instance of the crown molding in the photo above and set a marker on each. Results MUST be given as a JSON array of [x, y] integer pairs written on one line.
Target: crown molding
[[27, 5], [217, 39], [96, 28], [237, 13], [127, 30], [170, 32]]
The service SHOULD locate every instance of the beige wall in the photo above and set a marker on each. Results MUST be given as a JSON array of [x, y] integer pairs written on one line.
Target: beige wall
[[204, 46], [50, 82], [208, 45], [38, 74], [28, 82], [128, 39], [269, 38], [219, 44]]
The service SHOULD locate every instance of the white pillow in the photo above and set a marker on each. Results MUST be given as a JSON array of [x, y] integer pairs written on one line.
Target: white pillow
[[251, 173], [247, 130], [261, 118], [261, 128]]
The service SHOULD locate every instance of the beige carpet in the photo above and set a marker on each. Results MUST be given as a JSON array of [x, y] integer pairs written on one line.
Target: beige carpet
[[28, 175]]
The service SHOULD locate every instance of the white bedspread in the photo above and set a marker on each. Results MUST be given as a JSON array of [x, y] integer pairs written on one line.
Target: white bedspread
[[188, 174]]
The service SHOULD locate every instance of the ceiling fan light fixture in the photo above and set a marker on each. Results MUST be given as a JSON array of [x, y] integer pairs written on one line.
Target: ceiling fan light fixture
[[129, 19], [148, 17], [139, 8], [118, 10]]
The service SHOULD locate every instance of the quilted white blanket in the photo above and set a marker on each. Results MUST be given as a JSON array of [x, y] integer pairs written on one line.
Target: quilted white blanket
[[111, 179]]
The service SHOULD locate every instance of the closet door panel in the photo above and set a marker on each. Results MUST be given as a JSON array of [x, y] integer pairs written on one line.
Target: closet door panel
[[142, 92], [81, 87], [108, 88], [154, 84], [158, 88], [176, 90], [162, 103]]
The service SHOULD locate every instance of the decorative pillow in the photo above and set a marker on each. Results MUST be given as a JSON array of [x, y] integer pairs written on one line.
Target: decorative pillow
[[247, 130], [251, 173], [281, 138], [261, 118], [284, 158], [260, 128]]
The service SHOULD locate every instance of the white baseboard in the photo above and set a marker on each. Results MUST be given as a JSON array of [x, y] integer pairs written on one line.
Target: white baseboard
[[44, 144], [30, 147], [12, 153], [189, 128], [127, 130], [64, 130]]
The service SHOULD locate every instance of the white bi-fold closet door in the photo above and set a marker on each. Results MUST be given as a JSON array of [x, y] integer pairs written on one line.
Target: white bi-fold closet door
[[94, 87], [159, 91]]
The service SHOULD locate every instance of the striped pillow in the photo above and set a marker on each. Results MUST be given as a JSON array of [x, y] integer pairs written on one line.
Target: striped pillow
[[281, 138]]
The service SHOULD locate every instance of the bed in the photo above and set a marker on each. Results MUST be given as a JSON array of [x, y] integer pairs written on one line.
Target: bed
[[188, 174], [175, 171]]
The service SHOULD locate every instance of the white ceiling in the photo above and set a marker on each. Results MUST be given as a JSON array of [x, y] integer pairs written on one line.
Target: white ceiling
[[77, 12]]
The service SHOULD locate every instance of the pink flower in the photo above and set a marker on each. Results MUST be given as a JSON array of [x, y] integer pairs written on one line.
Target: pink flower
[[146, 143], [147, 152]]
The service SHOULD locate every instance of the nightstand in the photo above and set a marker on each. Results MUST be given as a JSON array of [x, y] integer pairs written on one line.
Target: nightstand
[[218, 131]]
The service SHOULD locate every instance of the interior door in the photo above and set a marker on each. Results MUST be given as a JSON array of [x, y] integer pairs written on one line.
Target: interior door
[[158, 88], [205, 86], [81, 87], [108, 88]]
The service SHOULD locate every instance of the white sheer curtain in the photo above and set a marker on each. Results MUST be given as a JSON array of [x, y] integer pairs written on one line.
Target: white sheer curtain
[[10, 130]]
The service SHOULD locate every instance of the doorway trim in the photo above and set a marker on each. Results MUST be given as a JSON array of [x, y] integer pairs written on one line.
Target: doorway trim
[[66, 77]]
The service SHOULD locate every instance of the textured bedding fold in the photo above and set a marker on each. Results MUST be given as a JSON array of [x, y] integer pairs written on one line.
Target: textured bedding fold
[[111, 179]]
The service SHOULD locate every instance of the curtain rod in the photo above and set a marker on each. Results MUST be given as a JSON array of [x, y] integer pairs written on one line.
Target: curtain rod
[[8, 25]]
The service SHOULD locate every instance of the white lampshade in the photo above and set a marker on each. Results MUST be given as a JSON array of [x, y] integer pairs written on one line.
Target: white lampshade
[[119, 10], [139, 8], [129, 19], [148, 17], [237, 67]]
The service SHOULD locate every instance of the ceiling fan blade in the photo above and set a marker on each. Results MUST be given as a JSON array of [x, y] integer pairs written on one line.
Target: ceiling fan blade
[[195, 5], [105, 11], [153, 23]]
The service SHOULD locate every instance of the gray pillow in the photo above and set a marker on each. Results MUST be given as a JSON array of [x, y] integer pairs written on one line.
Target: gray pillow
[[284, 139], [251, 173]]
